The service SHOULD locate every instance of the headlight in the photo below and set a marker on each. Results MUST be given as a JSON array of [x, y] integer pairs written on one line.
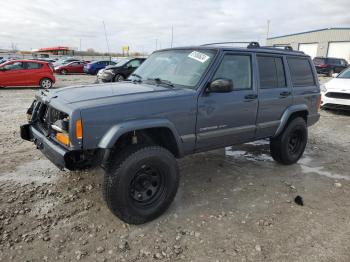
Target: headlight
[[323, 89]]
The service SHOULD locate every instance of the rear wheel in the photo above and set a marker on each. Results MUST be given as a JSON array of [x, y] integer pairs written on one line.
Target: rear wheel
[[331, 72], [141, 183], [46, 83], [119, 78], [289, 146]]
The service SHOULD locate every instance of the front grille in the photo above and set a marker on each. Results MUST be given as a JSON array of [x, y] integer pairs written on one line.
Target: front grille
[[338, 95], [45, 116]]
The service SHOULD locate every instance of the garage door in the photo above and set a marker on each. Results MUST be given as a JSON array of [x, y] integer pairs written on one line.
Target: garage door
[[309, 49], [339, 50]]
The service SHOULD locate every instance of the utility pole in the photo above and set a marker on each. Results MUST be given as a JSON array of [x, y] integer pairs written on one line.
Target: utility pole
[[268, 29], [104, 26], [156, 44], [172, 36], [80, 44]]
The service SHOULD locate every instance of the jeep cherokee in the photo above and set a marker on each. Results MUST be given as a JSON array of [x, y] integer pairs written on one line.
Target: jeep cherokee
[[180, 101]]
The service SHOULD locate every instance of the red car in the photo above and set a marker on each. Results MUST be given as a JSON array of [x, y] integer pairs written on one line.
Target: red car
[[76, 67], [26, 73]]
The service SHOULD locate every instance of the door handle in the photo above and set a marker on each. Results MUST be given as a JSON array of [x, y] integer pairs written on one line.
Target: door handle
[[251, 97], [285, 94]]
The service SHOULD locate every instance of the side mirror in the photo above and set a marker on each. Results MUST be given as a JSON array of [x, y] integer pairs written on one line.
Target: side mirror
[[220, 86], [335, 75]]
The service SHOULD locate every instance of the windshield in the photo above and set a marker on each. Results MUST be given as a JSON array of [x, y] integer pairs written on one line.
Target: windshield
[[178, 67], [122, 62], [344, 74]]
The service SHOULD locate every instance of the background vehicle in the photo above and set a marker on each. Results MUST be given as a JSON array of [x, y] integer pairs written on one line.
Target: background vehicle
[[120, 71], [336, 92], [65, 61], [329, 66], [93, 67], [76, 67], [26, 73], [179, 101]]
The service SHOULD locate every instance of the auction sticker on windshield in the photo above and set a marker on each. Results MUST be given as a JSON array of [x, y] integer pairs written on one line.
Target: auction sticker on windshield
[[198, 56]]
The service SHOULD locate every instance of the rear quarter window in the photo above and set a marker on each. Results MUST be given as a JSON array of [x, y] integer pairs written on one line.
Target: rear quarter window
[[300, 71]]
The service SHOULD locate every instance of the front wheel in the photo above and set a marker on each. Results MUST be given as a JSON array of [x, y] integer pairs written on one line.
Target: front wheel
[[141, 183], [46, 83], [289, 146], [119, 78]]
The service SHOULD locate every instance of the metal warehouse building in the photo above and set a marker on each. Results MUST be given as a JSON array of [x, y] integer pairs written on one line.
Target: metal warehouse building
[[328, 42]]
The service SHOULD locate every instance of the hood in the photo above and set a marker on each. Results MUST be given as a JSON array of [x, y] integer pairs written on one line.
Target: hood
[[338, 84], [123, 90]]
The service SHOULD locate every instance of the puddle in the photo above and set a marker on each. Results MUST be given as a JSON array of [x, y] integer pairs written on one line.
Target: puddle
[[257, 156], [306, 168], [38, 171]]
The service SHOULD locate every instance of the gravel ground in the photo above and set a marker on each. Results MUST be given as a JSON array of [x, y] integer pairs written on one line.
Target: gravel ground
[[232, 205]]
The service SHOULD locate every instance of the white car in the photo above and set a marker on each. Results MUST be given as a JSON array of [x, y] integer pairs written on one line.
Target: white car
[[336, 92]]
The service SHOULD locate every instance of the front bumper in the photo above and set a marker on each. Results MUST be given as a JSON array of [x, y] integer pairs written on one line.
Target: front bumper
[[330, 102], [61, 157], [322, 70]]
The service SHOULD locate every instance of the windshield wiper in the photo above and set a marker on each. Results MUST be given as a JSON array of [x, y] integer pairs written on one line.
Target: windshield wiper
[[160, 81], [138, 76]]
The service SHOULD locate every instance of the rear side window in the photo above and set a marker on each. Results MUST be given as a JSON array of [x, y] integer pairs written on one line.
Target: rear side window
[[271, 72], [237, 68], [301, 71], [31, 65]]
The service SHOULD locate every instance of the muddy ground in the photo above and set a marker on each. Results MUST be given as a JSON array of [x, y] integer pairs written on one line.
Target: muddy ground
[[232, 205]]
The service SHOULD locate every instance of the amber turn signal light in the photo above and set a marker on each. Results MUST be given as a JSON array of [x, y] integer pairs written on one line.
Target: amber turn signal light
[[63, 138], [79, 129]]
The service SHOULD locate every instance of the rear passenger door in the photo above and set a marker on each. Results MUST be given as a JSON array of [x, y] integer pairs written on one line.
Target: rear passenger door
[[33, 73], [275, 95], [305, 83], [228, 118]]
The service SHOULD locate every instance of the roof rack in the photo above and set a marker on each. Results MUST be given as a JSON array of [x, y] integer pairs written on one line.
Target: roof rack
[[250, 44], [257, 45]]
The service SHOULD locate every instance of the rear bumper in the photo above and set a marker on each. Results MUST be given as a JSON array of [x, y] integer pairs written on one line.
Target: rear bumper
[[61, 157], [312, 119]]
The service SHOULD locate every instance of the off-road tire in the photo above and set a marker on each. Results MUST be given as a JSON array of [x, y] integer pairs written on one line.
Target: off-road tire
[[128, 166], [289, 146], [119, 78], [46, 83]]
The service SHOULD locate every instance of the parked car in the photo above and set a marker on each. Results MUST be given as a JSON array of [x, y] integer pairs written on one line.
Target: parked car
[[76, 67], [329, 65], [93, 67], [65, 61], [180, 101], [120, 71], [336, 92], [26, 73]]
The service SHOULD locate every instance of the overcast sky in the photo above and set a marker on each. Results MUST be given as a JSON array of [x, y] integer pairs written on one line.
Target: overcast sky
[[32, 24]]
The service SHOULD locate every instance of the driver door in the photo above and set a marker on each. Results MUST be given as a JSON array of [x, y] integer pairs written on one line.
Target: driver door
[[228, 118], [14, 74]]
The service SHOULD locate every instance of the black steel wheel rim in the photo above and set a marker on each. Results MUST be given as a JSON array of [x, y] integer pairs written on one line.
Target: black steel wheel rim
[[147, 185], [295, 141]]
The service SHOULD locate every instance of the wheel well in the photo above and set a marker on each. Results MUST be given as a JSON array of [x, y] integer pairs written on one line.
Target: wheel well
[[294, 115], [161, 136]]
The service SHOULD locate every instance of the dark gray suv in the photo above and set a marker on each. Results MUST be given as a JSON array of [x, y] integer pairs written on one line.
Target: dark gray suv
[[178, 102]]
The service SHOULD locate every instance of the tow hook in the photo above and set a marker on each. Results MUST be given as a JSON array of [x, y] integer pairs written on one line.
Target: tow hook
[[39, 145]]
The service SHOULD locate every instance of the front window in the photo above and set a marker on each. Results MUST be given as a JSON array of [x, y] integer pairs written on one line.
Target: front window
[[344, 74], [178, 67], [14, 66]]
